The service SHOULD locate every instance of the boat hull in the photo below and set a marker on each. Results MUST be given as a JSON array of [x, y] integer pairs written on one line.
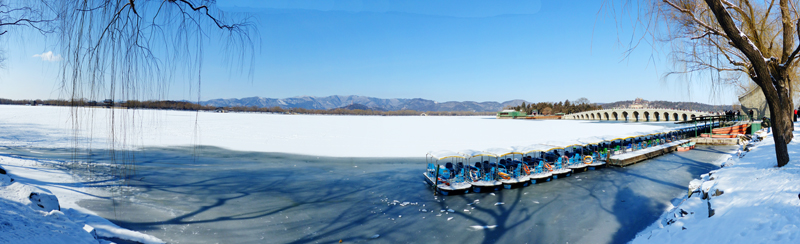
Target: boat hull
[[561, 173], [541, 178], [579, 168], [482, 187], [516, 183], [453, 189], [596, 165]]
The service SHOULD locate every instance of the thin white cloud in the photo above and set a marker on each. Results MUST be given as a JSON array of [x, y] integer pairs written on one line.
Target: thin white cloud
[[48, 56]]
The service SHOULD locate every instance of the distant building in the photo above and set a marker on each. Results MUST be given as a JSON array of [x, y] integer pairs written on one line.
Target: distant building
[[510, 114], [219, 110], [108, 103], [755, 100], [639, 103]]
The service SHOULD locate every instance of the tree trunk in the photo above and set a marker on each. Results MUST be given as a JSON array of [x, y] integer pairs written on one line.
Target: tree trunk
[[771, 77], [781, 112]]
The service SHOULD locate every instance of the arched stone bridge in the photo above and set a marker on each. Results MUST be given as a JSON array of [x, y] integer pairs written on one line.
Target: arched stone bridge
[[640, 114]]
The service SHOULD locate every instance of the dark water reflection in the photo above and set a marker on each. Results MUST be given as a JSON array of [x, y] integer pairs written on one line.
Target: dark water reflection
[[213, 195]]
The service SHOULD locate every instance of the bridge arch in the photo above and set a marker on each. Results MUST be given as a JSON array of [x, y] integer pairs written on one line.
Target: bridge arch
[[675, 116], [658, 116], [666, 116], [693, 116], [685, 118], [616, 117], [606, 114], [592, 116], [625, 115]]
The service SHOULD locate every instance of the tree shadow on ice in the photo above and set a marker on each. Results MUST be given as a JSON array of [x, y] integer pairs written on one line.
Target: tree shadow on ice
[[627, 202], [506, 216], [317, 205], [368, 210]]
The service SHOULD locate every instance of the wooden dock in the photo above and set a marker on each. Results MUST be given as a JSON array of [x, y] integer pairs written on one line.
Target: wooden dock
[[716, 141], [629, 158]]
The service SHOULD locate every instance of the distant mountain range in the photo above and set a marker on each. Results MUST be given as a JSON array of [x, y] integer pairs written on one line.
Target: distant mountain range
[[418, 104], [362, 102]]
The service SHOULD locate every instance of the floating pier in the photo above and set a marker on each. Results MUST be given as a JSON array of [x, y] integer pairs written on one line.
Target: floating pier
[[629, 158], [716, 141]]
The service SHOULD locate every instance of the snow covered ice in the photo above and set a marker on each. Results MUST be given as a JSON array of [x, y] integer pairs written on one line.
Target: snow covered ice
[[321, 135]]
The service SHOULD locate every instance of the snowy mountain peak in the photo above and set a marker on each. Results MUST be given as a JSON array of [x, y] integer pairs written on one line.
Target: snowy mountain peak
[[338, 101]]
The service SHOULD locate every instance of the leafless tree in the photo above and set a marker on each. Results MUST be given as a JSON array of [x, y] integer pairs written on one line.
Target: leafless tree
[[134, 49], [727, 40], [18, 15], [582, 101]]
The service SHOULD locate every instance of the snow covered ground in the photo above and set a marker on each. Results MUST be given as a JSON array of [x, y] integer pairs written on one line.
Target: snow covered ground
[[29, 213], [320, 135], [750, 200]]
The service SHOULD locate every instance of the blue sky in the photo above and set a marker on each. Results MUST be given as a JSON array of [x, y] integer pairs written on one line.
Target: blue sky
[[440, 50]]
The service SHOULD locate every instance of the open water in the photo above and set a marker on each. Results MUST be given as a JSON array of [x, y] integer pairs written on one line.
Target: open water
[[213, 195]]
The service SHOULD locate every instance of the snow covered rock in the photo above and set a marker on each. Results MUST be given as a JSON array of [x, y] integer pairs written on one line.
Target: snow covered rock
[[2, 171], [45, 200], [89, 229], [694, 186], [35, 197], [5, 180], [706, 187]]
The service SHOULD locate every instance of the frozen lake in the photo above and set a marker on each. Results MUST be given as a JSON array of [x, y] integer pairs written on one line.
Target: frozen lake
[[223, 196], [259, 178], [319, 135]]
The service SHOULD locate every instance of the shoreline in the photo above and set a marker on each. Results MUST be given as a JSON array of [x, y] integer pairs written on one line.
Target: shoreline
[[72, 222], [747, 200]]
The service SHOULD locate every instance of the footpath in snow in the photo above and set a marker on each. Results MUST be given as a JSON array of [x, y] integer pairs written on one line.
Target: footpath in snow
[[748, 200], [38, 204]]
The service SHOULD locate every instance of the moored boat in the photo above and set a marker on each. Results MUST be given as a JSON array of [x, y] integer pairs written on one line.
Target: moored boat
[[450, 179], [558, 163], [686, 146], [509, 169], [536, 165], [594, 156], [579, 158], [482, 174]]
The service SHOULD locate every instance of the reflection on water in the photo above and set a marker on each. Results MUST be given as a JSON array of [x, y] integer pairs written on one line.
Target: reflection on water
[[213, 195]]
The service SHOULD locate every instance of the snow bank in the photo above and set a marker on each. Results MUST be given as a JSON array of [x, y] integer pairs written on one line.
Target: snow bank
[[749, 200], [40, 206], [321, 135]]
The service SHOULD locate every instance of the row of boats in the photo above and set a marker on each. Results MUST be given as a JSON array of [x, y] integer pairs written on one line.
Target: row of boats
[[494, 169]]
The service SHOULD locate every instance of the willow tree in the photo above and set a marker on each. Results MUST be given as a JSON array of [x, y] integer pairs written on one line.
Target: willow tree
[[135, 49], [732, 42], [16, 16]]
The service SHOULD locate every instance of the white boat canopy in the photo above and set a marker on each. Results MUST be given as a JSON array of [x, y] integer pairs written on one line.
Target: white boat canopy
[[502, 151], [564, 144], [595, 140], [532, 148], [475, 153], [444, 154], [556, 145]]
